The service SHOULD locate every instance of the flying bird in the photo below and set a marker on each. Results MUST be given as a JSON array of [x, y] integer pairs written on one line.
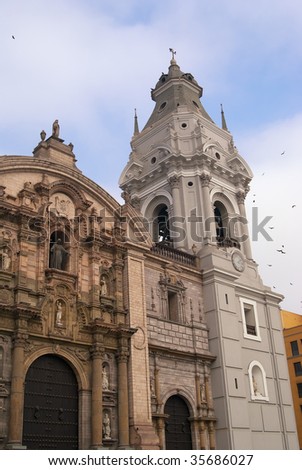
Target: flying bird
[[283, 152], [271, 228], [294, 205], [13, 37], [281, 251]]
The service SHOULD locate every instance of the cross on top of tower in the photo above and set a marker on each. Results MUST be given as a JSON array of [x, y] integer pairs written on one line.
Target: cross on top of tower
[[172, 52]]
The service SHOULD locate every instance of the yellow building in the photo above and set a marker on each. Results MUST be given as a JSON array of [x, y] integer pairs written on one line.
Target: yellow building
[[292, 330]]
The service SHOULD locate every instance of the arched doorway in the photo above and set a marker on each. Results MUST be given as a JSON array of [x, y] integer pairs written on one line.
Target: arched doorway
[[178, 428], [50, 405]]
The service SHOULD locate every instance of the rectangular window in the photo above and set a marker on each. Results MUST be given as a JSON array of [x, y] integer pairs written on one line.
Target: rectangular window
[[250, 319], [295, 348], [173, 306], [299, 387], [298, 368]]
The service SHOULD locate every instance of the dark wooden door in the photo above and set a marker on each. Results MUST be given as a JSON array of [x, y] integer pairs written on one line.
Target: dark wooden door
[[50, 405], [178, 428]]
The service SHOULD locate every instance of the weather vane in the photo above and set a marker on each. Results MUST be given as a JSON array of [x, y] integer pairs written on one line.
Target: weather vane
[[173, 52]]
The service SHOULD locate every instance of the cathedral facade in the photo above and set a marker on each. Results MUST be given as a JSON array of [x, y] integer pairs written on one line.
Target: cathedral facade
[[143, 325]]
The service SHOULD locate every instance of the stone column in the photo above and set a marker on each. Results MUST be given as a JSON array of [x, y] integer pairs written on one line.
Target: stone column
[[97, 393], [15, 426], [197, 386], [208, 214], [202, 434], [244, 235], [178, 220], [123, 399], [208, 389], [212, 435]]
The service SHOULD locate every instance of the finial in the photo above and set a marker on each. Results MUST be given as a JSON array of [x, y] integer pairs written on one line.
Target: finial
[[136, 129], [173, 54], [42, 135], [223, 121]]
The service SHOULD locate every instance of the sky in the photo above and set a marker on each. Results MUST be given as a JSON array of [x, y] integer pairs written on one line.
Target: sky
[[90, 63]]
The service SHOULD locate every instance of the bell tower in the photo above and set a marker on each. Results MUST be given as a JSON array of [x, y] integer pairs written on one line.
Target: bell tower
[[189, 181], [185, 173]]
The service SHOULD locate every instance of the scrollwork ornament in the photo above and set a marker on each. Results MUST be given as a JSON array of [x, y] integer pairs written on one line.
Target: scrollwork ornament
[[174, 181], [240, 196], [97, 351], [205, 179]]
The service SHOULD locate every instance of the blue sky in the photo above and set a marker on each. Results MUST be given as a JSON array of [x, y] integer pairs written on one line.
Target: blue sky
[[90, 63]]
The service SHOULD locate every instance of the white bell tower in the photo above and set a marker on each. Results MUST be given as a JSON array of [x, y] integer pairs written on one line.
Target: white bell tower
[[189, 181]]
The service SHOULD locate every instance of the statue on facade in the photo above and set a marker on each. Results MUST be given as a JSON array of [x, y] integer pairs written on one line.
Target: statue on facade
[[56, 129], [105, 384], [203, 396], [59, 314], [104, 288], [5, 259], [257, 393], [106, 427], [58, 255]]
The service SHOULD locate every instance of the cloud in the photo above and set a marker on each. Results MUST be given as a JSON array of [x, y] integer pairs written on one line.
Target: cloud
[[89, 64]]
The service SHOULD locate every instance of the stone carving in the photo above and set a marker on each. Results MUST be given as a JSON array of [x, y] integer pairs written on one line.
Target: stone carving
[[59, 314], [56, 128], [104, 286], [105, 384], [203, 392], [257, 393], [5, 259], [58, 256], [106, 426]]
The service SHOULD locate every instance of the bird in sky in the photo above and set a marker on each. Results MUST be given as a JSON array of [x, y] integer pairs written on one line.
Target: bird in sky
[[271, 228], [283, 152], [13, 37], [270, 265], [281, 251], [294, 205]]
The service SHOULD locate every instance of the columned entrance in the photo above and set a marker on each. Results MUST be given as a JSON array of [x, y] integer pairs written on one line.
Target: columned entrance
[[178, 428], [50, 405]]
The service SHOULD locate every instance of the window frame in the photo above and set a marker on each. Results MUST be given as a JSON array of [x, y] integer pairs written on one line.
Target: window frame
[[247, 302], [296, 348]]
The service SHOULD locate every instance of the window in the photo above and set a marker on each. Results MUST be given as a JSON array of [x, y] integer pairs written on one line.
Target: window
[[220, 229], [173, 306], [162, 230], [298, 368], [299, 387], [250, 319], [224, 226], [173, 297], [295, 348], [257, 380]]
